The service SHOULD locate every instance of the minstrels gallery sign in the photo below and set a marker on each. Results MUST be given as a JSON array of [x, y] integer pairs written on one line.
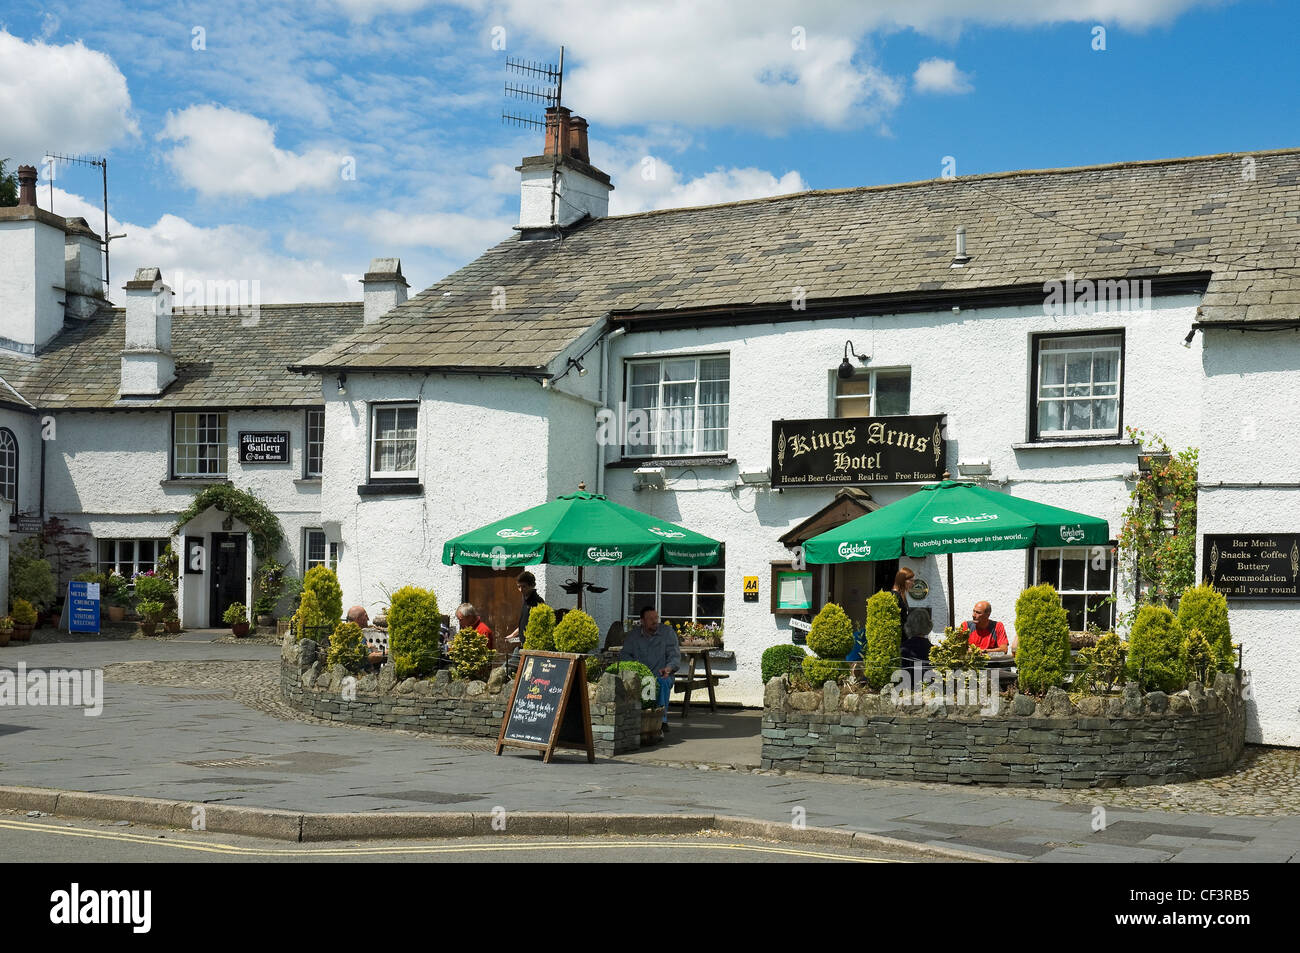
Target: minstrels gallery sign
[[262, 446], [1253, 565], [856, 451]]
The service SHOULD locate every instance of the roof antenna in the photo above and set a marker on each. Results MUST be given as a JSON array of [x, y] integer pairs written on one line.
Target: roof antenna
[[101, 163], [549, 93]]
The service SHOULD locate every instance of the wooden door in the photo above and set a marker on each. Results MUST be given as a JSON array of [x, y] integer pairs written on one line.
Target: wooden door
[[496, 597], [226, 575]]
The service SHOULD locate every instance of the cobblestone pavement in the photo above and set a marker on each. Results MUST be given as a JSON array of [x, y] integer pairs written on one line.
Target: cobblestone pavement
[[1265, 782]]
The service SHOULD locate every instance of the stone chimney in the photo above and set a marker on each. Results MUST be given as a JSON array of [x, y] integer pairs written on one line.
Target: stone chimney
[[83, 275], [27, 185], [384, 288], [561, 187], [147, 363]]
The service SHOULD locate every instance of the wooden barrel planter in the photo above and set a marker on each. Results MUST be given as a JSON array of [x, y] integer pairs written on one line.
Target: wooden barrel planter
[[652, 723], [22, 633]]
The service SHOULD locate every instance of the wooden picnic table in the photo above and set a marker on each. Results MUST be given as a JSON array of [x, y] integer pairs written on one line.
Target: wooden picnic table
[[688, 682]]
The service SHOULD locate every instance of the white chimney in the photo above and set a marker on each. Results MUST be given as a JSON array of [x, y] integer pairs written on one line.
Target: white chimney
[[31, 271], [83, 277], [561, 187], [147, 362], [385, 288]]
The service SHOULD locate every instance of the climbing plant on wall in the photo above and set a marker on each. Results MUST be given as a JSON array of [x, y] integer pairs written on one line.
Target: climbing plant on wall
[[268, 534]]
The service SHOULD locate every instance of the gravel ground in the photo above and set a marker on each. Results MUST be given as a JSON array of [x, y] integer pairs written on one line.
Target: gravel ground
[[1265, 782]]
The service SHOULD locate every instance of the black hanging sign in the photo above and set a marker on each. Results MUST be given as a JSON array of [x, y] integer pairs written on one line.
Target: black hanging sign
[[548, 705], [263, 446], [858, 451], [1253, 565]]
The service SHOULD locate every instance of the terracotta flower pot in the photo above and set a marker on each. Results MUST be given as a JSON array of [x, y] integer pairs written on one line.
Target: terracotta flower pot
[[116, 613], [22, 633], [652, 723], [240, 629], [4, 637], [173, 625], [148, 628]]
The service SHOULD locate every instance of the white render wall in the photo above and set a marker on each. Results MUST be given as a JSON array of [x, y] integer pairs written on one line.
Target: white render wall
[[31, 282], [1249, 434], [26, 429]]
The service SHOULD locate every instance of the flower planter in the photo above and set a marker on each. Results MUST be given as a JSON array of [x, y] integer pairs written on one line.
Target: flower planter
[[116, 613], [240, 629], [173, 626], [652, 723], [266, 621], [5, 634], [147, 629], [22, 633]]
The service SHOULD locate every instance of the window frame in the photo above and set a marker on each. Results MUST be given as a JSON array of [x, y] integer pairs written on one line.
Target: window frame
[[307, 471], [160, 543], [331, 549], [633, 610], [658, 449], [870, 373], [224, 473], [1032, 578], [391, 476], [1035, 382], [4, 482]]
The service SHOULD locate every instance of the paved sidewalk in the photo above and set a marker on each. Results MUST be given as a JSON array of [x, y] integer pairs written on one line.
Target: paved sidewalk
[[200, 745]]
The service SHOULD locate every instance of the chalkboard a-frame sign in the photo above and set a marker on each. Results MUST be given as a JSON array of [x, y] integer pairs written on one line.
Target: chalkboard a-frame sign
[[548, 706]]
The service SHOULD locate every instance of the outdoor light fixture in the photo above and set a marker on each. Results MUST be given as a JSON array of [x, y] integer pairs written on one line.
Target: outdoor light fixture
[[755, 476], [343, 385], [1187, 341], [574, 362], [846, 369], [974, 467], [546, 383], [650, 478]]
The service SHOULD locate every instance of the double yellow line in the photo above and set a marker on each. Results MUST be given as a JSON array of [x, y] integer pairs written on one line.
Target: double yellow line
[[181, 843]]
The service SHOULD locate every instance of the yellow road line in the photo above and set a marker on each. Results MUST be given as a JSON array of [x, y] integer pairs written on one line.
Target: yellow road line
[[365, 851]]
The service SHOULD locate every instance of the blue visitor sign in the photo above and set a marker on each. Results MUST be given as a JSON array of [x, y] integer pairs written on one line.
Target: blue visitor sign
[[83, 607]]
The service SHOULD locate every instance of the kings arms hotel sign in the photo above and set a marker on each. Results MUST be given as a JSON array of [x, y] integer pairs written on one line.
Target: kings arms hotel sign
[[858, 451]]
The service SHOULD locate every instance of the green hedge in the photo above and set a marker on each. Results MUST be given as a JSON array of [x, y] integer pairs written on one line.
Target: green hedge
[[414, 631], [1204, 607], [776, 660], [539, 634], [819, 671], [1043, 631], [883, 640], [577, 632], [1155, 646]]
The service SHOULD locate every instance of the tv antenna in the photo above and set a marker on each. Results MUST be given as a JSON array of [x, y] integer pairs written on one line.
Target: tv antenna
[[101, 163], [546, 87]]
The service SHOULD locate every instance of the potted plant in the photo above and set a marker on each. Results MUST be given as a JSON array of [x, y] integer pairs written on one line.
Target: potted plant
[[6, 630], [172, 623], [114, 592], [236, 616], [152, 587], [269, 585], [151, 613], [24, 616]]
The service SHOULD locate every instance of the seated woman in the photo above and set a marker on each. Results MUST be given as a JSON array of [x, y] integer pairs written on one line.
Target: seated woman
[[916, 637]]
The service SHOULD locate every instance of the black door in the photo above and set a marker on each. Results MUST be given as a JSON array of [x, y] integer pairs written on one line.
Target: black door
[[226, 582]]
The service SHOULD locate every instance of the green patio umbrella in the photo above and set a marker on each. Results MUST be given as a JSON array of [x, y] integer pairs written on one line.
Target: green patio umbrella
[[954, 517], [581, 529]]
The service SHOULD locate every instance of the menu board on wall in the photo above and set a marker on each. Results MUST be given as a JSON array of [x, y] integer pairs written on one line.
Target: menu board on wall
[[1253, 565]]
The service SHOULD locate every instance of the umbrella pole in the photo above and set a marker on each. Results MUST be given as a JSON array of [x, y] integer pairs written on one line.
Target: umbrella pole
[[952, 614], [580, 587]]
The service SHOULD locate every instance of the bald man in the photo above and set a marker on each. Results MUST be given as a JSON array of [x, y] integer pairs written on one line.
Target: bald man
[[984, 633]]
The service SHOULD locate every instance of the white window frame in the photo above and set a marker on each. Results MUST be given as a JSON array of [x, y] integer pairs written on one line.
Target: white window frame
[[839, 400], [330, 549], [696, 436], [108, 566], [373, 443], [1083, 347], [633, 610], [310, 472], [9, 458], [1089, 553], [219, 459]]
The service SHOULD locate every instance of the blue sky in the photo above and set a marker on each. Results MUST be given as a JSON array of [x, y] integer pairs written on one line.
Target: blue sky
[[229, 126]]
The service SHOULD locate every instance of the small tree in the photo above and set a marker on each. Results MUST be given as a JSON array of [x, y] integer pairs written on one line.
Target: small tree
[[576, 633], [470, 654], [329, 595], [1155, 651], [883, 639], [539, 634], [1043, 628], [831, 637], [1204, 607], [1197, 656], [308, 619], [414, 631], [347, 647]]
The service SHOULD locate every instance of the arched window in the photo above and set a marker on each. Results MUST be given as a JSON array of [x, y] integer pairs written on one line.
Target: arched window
[[9, 468]]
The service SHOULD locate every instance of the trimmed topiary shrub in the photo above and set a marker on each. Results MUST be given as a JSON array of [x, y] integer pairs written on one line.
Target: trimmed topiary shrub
[[1204, 607], [819, 671], [414, 632], [539, 634], [649, 684], [884, 637], [347, 647], [955, 653], [831, 636], [1197, 656], [329, 595], [776, 660], [576, 633], [307, 621], [1154, 651], [23, 612], [1043, 627], [470, 654]]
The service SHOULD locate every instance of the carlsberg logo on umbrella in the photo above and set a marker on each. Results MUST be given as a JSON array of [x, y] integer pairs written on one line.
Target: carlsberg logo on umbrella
[[666, 533], [516, 533], [598, 555], [1071, 534], [958, 520], [854, 550]]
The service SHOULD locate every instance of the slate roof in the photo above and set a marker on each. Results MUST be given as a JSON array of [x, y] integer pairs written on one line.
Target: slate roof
[[1209, 214], [220, 362]]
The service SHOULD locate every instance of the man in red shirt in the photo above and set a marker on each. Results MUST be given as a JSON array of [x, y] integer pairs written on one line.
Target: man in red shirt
[[986, 634], [468, 618]]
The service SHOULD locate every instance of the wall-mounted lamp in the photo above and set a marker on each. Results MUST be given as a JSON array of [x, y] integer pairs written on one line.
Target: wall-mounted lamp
[[343, 385], [574, 362], [546, 383], [756, 476], [974, 467], [650, 478], [1187, 341], [846, 369]]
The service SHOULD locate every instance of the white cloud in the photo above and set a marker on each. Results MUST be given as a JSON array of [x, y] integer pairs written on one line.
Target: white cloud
[[223, 151], [940, 76], [451, 233], [60, 98], [666, 188]]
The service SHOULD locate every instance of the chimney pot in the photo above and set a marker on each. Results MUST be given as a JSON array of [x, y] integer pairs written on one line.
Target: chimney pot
[[27, 185], [557, 131], [578, 139]]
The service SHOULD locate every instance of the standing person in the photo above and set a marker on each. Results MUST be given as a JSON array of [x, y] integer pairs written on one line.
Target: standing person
[[527, 584], [656, 649], [902, 582]]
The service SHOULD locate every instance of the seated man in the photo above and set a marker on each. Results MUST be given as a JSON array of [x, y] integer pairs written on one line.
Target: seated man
[[468, 618], [374, 652], [984, 633], [656, 649]]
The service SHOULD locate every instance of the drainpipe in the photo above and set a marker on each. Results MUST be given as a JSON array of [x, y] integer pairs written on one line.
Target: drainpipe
[[43, 442], [604, 403]]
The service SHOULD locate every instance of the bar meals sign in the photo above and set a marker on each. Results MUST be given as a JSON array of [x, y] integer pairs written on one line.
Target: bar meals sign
[[1253, 565], [858, 451]]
